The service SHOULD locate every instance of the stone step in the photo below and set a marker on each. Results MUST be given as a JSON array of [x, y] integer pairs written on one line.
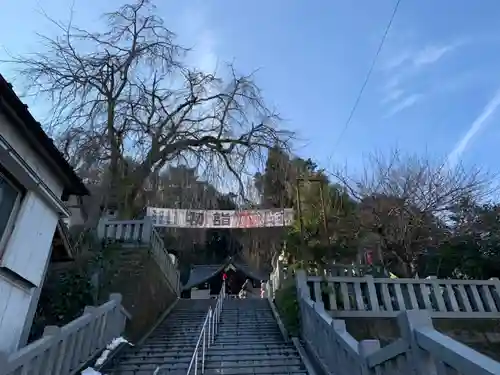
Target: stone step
[[264, 370], [215, 361], [221, 356], [248, 342], [248, 328], [248, 321], [253, 346], [176, 331], [210, 372], [254, 330], [214, 350], [216, 368], [260, 332], [218, 340], [249, 336]]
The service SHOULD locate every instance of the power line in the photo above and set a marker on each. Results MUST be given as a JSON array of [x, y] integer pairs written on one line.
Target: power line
[[363, 86]]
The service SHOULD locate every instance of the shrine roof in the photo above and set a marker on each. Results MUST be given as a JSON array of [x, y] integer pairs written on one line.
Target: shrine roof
[[202, 273]]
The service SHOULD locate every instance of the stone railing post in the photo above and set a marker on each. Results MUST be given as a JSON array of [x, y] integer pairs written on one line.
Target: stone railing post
[[435, 293], [496, 289], [118, 319], [372, 293], [365, 348], [147, 230], [419, 360], [301, 284], [101, 228], [3, 360], [269, 290], [279, 275], [55, 360]]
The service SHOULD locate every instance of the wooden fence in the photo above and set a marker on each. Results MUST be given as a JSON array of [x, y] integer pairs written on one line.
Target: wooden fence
[[421, 350], [141, 232], [64, 350]]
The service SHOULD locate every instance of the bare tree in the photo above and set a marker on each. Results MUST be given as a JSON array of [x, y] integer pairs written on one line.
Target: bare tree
[[125, 93], [406, 199]]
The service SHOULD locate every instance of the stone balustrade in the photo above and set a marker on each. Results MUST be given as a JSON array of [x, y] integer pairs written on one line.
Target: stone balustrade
[[137, 233], [64, 350], [421, 350], [383, 297]]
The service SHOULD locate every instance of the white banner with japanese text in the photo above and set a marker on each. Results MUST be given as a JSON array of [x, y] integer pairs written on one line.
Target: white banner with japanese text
[[184, 218]]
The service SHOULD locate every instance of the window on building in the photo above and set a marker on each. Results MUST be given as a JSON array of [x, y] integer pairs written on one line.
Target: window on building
[[10, 196]]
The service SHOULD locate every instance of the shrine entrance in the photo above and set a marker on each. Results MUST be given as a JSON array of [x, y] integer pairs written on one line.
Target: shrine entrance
[[205, 279], [235, 279]]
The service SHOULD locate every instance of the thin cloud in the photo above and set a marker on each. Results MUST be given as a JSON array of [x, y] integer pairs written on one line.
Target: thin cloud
[[203, 40], [393, 95], [404, 67], [407, 102], [205, 52], [397, 60], [417, 58], [431, 54], [460, 147]]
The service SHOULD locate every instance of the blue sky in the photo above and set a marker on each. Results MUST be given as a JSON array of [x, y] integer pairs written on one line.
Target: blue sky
[[434, 90]]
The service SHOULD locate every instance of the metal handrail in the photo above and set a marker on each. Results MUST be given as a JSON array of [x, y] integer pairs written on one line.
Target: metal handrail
[[212, 324], [207, 335]]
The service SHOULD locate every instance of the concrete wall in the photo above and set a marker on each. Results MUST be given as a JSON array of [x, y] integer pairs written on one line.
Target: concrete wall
[[200, 293], [24, 257], [482, 335], [146, 293]]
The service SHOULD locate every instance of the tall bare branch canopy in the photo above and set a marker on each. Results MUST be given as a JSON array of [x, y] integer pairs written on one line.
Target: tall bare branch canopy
[[406, 200], [125, 94]]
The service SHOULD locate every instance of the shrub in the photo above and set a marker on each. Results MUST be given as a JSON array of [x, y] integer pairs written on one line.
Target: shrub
[[288, 307]]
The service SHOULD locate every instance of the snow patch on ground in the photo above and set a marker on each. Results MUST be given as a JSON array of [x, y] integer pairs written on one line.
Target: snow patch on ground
[[90, 371], [104, 355]]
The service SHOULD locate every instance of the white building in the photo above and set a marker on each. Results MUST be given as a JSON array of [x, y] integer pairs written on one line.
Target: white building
[[35, 180]]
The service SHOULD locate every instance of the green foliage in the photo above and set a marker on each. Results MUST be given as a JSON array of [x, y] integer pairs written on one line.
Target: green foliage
[[68, 287], [278, 186], [63, 298], [288, 307]]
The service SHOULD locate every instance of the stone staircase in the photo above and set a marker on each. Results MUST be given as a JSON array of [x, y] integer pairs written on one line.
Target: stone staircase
[[250, 342], [171, 345]]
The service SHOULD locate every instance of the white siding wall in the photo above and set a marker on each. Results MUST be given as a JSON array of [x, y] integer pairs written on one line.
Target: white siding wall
[[76, 217], [26, 253], [29, 155], [29, 244]]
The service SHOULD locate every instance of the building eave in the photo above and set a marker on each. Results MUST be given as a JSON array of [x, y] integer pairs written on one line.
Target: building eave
[[31, 131]]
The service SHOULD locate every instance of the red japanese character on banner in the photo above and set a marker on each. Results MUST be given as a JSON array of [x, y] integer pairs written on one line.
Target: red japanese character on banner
[[247, 219]]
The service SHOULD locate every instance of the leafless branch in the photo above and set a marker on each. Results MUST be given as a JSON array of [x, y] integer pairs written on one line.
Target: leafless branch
[[126, 94]]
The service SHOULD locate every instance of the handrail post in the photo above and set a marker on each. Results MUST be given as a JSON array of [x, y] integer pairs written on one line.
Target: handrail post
[[117, 320], [147, 231], [203, 352], [101, 229], [210, 328], [408, 322]]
